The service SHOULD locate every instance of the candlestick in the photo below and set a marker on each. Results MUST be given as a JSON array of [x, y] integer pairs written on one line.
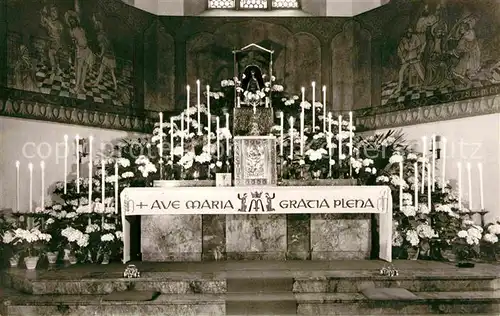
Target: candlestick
[[30, 168], [239, 101], [182, 134], [443, 167], [350, 133], [313, 85], [459, 165], [116, 188], [198, 105], [217, 137], [227, 138], [90, 171], [188, 89], [172, 139], [42, 170], [415, 184], [208, 100], [324, 109], [481, 192], [424, 153], [291, 137], [282, 132], [160, 133], [303, 98], [209, 136], [340, 138], [302, 134], [469, 178], [429, 188], [330, 149], [18, 201], [65, 164], [77, 138], [103, 182], [433, 162], [400, 185]]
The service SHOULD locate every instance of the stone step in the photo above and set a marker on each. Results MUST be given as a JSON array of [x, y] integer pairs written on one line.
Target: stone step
[[259, 285]]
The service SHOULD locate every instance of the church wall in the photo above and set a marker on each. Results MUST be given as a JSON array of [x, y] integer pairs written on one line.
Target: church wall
[[472, 139], [41, 141], [452, 51]]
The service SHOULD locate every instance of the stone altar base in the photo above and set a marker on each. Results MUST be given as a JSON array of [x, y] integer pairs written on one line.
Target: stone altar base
[[254, 288]]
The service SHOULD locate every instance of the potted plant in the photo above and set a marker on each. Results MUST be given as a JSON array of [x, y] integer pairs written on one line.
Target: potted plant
[[76, 242], [491, 244], [466, 244], [9, 249], [31, 244]]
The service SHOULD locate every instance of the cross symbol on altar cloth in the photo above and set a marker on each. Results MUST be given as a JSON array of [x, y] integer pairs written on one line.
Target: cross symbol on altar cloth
[[141, 205]]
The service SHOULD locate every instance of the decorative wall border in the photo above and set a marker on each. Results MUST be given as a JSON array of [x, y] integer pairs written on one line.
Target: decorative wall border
[[63, 114], [431, 113]]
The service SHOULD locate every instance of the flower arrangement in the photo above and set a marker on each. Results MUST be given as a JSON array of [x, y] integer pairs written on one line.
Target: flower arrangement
[[30, 242], [490, 242], [466, 242]]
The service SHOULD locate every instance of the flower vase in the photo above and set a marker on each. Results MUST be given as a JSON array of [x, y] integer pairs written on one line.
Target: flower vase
[[52, 257], [316, 174], [413, 253], [105, 259], [14, 261], [67, 253], [72, 259], [31, 262]]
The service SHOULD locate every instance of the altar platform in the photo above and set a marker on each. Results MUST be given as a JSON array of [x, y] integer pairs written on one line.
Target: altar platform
[[254, 288]]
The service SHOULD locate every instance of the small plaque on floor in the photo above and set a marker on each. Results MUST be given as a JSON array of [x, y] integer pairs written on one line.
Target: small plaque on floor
[[387, 294], [134, 296]]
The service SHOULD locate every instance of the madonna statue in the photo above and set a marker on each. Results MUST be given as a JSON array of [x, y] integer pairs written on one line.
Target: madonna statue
[[252, 80]]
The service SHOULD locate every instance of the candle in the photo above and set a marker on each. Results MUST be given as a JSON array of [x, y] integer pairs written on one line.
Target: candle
[[18, 201], [182, 134], [400, 185], [481, 192], [172, 138], [469, 178], [291, 137], [77, 138], [282, 125], [313, 85], [330, 148], [303, 97], [217, 123], [267, 102], [208, 102], [340, 138], [116, 188], [429, 188], [227, 138], [30, 168], [198, 105], [90, 171], [209, 136], [302, 134], [459, 165], [103, 181], [188, 89], [65, 164], [160, 133], [424, 149], [42, 169], [415, 184], [324, 109], [443, 167], [350, 134], [433, 163]]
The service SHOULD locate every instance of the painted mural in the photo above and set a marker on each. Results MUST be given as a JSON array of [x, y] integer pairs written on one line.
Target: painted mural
[[69, 48], [448, 50]]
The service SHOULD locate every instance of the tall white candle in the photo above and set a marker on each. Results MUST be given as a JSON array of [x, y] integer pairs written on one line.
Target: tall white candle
[[443, 166], [217, 127], [302, 134], [30, 168], [424, 164], [330, 149], [433, 167], [303, 90], [469, 179], [350, 133], [182, 134], [198, 104], [208, 101], [415, 185], [291, 137], [340, 138], [18, 201], [188, 89], [282, 132], [65, 164], [103, 181], [400, 185], [116, 188], [90, 170], [313, 85], [227, 139], [459, 165], [481, 192], [160, 133], [209, 136], [42, 170], [324, 109], [77, 139], [172, 138], [429, 189]]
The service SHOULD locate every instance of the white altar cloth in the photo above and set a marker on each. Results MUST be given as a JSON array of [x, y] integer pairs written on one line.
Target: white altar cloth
[[260, 200]]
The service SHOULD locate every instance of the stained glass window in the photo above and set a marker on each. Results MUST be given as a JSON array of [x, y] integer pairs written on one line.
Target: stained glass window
[[221, 4], [253, 4], [285, 4]]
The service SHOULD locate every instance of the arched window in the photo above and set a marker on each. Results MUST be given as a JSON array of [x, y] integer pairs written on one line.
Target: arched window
[[253, 4]]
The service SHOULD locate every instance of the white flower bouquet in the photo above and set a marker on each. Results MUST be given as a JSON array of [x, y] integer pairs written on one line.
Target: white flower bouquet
[[29, 242]]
